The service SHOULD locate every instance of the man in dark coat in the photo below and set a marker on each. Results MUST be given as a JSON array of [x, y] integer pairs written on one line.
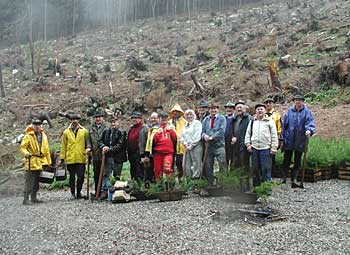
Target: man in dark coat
[[230, 109], [239, 125], [297, 126], [112, 144], [137, 137], [95, 133]]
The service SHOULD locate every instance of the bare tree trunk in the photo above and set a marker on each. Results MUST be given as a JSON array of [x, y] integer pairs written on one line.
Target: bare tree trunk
[[45, 20], [2, 89], [30, 35], [73, 29], [154, 4]]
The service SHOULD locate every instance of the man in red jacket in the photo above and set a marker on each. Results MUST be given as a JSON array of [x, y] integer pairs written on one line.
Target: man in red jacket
[[163, 142]]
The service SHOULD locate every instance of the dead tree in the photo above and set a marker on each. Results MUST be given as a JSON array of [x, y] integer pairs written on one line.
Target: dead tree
[[275, 83], [2, 89]]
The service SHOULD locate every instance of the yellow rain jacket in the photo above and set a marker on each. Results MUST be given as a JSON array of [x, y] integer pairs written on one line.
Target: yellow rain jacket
[[73, 147], [180, 123], [29, 145], [274, 114]]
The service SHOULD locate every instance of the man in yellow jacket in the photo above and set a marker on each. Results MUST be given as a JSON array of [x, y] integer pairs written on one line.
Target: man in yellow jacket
[[73, 153], [177, 119], [35, 148]]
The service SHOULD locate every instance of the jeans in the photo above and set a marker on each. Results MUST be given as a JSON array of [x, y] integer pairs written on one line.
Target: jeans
[[31, 184], [76, 169], [193, 158], [286, 163], [213, 153], [261, 166]]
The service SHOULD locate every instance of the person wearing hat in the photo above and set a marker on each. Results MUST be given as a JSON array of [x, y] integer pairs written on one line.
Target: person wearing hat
[[177, 119], [213, 134], [73, 153], [203, 110], [261, 141], [238, 129], [136, 143], [95, 132], [230, 109], [276, 117], [297, 126], [161, 145], [112, 144], [35, 149]]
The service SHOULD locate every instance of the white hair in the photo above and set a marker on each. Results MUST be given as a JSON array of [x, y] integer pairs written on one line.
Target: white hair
[[191, 111]]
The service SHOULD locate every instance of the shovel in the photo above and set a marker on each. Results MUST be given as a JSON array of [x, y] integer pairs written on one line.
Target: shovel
[[102, 169], [88, 178], [304, 162]]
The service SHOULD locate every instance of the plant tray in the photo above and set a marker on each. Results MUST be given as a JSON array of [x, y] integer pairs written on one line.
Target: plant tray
[[215, 191], [142, 196], [170, 196]]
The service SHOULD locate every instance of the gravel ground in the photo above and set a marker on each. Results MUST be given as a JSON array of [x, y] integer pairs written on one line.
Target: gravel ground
[[318, 222]]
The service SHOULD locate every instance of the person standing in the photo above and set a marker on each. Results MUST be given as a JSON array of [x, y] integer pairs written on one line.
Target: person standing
[[112, 144], [136, 143], [177, 119], [230, 109], [238, 129], [95, 133], [297, 126], [161, 144], [262, 141], [35, 149], [191, 139], [148, 159], [73, 153], [203, 110], [213, 134], [276, 117]]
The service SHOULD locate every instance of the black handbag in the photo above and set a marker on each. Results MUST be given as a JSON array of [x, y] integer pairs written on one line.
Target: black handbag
[[60, 174], [47, 175]]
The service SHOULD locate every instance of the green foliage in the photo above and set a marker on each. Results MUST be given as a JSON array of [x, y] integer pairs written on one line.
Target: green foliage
[[324, 94], [59, 184], [264, 190], [55, 146], [323, 152], [230, 180]]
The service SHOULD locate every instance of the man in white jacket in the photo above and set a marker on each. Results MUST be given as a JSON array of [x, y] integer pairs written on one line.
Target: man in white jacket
[[262, 141]]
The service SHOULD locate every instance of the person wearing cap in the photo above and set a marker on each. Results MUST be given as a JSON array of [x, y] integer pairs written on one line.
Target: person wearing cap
[[238, 129], [35, 149], [213, 134], [261, 140], [136, 143], [297, 126], [73, 153], [112, 144], [191, 139], [203, 110], [95, 133], [161, 145], [276, 117], [230, 109], [176, 118], [148, 159]]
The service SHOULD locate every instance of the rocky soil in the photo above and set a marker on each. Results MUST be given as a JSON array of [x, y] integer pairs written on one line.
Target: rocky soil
[[312, 221]]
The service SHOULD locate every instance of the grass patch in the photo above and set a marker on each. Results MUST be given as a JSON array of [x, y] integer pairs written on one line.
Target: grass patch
[[264, 190]]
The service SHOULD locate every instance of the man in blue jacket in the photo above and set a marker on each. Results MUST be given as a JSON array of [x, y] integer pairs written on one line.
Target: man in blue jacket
[[298, 125], [213, 134]]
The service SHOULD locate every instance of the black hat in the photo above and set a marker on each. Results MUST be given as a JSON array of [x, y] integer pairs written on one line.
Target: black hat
[[112, 118], [298, 97], [229, 104], [269, 99], [136, 115], [239, 102], [36, 121], [163, 114], [203, 103], [74, 116], [99, 113], [260, 105]]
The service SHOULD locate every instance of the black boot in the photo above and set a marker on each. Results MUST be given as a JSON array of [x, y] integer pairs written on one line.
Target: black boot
[[34, 199]]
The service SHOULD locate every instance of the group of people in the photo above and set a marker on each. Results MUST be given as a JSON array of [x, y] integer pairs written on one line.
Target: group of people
[[187, 141]]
